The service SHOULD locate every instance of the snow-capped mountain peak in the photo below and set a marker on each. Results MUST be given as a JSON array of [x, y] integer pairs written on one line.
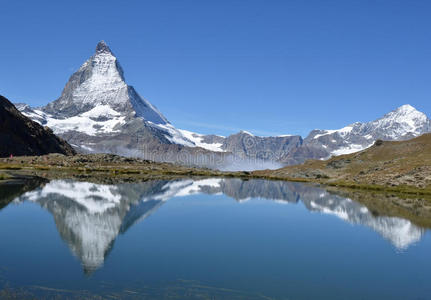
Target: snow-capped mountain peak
[[405, 121], [405, 111], [98, 111], [100, 82]]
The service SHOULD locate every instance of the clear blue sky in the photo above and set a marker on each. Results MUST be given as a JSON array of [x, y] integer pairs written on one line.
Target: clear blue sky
[[269, 67]]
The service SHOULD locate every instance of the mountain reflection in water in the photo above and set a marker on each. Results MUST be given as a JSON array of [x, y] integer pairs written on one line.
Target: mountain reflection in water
[[90, 216]]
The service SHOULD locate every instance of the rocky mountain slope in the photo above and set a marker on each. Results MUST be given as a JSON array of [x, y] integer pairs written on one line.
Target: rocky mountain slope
[[97, 111], [21, 136]]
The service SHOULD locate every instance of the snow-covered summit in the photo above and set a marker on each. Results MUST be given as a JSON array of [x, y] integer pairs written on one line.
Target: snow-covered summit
[[100, 81], [99, 112], [403, 121]]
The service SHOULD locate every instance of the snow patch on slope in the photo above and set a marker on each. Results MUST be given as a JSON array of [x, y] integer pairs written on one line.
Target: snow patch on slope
[[101, 111], [172, 134], [100, 119], [343, 131], [352, 148], [197, 138]]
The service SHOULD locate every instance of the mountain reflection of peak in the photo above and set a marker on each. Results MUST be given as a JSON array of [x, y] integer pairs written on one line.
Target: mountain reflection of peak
[[90, 216]]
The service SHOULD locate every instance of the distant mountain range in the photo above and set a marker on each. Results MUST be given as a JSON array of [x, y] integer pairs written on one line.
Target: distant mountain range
[[98, 112]]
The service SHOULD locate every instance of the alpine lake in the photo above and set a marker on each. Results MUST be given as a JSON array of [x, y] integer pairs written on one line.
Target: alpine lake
[[211, 238]]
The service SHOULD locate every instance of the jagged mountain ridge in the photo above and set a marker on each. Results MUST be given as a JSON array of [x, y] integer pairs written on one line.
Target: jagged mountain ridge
[[402, 123], [98, 112]]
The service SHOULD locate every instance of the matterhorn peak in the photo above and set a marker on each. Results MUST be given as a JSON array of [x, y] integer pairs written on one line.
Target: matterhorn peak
[[102, 47], [99, 82]]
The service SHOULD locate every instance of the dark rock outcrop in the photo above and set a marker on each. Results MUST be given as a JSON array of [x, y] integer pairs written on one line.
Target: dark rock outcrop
[[21, 136]]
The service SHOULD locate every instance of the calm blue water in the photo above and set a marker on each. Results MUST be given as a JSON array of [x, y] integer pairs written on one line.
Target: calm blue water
[[207, 239]]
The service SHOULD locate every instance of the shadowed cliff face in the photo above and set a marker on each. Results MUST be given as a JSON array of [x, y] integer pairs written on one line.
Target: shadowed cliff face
[[21, 136], [89, 216]]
